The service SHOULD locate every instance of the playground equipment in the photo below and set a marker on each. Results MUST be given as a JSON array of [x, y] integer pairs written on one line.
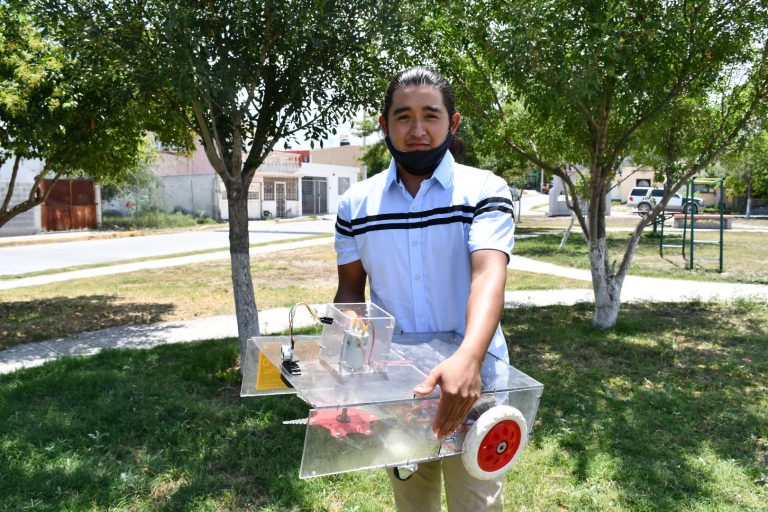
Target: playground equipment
[[689, 229], [359, 377]]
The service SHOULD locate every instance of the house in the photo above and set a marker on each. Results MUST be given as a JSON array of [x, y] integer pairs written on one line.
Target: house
[[72, 204], [287, 184]]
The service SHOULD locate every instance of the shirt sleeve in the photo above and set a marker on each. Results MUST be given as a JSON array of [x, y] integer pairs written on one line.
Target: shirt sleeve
[[493, 226], [346, 247]]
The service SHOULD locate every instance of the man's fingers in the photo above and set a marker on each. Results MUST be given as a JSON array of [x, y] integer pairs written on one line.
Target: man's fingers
[[450, 414], [428, 385]]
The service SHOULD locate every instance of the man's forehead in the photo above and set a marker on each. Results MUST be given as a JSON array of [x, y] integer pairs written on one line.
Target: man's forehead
[[418, 98]]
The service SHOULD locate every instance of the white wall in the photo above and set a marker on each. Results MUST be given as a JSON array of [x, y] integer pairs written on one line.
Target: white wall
[[191, 193], [331, 173], [29, 222]]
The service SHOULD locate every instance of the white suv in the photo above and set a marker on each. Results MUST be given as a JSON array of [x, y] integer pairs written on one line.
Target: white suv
[[676, 202], [637, 195]]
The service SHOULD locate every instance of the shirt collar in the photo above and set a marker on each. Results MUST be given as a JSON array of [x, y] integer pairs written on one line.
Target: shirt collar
[[443, 173]]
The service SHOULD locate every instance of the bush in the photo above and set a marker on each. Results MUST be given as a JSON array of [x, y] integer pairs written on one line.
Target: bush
[[150, 219]]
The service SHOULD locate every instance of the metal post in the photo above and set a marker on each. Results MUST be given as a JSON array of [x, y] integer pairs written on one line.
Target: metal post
[[685, 220], [722, 222], [661, 238]]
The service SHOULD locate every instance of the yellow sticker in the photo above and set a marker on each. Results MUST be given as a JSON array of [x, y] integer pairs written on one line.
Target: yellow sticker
[[268, 375]]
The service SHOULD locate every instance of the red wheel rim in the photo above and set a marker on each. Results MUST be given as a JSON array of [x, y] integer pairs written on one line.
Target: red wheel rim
[[499, 445]]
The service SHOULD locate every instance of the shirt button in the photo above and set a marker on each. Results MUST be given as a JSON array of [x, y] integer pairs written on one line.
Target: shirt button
[[413, 208], [417, 277], [421, 313]]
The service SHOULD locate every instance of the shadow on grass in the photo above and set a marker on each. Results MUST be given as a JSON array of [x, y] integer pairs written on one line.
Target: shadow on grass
[[669, 385], [165, 429], [158, 429], [45, 319]]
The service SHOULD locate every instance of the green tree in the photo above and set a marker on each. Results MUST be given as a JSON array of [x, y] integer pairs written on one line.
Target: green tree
[[74, 114], [242, 75], [567, 82], [746, 168], [376, 158]]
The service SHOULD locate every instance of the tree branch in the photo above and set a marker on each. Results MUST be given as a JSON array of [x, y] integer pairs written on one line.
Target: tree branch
[[208, 145], [12, 183]]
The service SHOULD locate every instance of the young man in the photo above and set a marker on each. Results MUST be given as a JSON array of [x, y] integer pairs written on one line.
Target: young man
[[433, 239]]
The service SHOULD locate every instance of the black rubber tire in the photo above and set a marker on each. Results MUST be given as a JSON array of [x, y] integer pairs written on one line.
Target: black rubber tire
[[644, 207]]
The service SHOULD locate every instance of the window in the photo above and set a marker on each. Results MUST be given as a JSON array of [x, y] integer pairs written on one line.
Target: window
[[291, 188], [253, 195], [343, 185], [269, 189]]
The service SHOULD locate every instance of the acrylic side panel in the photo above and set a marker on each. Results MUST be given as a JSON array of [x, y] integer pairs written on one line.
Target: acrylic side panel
[[368, 436], [261, 377], [373, 436]]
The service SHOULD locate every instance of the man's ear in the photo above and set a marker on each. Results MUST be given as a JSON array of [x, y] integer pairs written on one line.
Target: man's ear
[[383, 124], [455, 120]]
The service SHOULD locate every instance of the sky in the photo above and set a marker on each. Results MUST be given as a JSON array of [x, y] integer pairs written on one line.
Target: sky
[[332, 141]]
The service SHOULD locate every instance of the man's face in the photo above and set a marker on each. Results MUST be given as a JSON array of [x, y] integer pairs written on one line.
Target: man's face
[[418, 119]]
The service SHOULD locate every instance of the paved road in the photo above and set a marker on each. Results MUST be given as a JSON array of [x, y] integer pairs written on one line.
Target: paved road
[[61, 254], [48, 256]]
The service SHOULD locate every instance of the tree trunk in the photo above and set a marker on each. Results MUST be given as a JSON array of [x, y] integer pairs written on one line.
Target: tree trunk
[[606, 285], [242, 283]]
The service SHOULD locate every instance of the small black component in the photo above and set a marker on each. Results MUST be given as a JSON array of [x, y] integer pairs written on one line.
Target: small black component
[[285, 381], [292, 367], [326, 320]]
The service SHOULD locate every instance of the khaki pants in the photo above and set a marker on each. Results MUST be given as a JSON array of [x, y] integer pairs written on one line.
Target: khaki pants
[[464, 493]]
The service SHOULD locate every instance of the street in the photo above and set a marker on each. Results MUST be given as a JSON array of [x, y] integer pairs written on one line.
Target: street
[[38, 257], [49, 256]]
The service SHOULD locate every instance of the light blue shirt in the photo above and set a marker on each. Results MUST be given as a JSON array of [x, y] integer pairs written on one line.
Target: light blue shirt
[[416, 250]]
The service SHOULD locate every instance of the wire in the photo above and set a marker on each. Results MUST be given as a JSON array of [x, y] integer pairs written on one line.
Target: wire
[[292, 313]]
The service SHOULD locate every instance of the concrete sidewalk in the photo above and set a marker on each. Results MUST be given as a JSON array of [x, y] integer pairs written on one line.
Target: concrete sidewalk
[[10, 284], [142, 337], [635, 289]]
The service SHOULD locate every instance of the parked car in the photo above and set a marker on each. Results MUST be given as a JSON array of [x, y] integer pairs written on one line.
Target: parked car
[[676, 202], [637, 195]]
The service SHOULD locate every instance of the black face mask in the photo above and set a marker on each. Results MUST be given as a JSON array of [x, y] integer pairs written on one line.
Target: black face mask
[[420, 163]]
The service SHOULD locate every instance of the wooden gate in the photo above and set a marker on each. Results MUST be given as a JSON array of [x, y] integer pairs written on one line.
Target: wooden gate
[[71, 205]]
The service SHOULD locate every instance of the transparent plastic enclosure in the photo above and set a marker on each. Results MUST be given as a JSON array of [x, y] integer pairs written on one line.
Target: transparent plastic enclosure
[[371, 419], [358, 340], [387, 434]]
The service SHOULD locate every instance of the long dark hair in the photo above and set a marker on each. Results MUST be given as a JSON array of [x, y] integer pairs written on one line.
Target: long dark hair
[[418, 76]]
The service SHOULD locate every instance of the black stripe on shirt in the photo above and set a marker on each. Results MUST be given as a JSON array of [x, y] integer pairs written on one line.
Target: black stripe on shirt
[[413, 225], [343, 230], [498, 208], [357, 227], [410, 215], [496, 199]]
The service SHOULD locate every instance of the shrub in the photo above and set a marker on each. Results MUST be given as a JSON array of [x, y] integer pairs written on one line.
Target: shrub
[[149, 219]]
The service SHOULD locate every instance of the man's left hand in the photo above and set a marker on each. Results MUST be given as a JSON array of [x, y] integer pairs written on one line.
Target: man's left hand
[[459, 380]]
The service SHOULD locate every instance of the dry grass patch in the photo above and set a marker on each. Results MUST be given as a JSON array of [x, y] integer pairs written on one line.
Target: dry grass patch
[[182, 293]]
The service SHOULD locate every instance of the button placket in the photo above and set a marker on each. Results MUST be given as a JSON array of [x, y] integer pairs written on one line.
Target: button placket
[[417, 269]]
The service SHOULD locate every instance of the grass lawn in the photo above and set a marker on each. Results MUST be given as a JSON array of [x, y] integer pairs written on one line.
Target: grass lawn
[[182, 293], [745, 260], [668, 411]]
